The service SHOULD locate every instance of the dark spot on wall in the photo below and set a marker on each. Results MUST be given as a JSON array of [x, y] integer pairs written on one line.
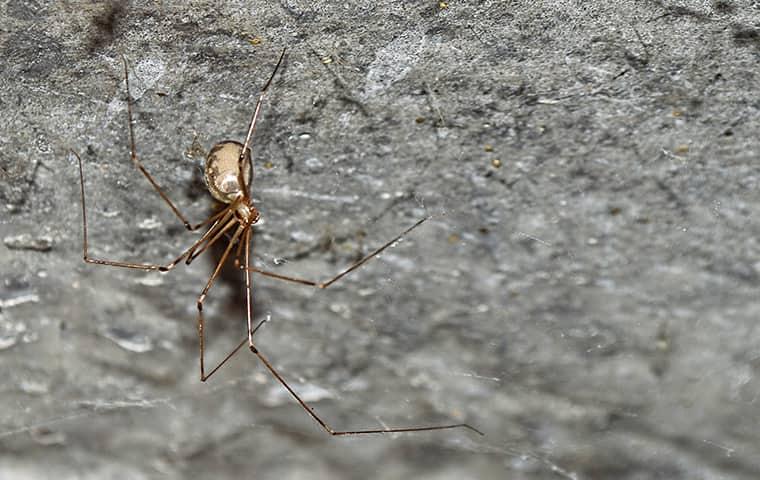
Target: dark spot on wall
[[746, 36], [723, 6], [104, 25], [682, 11]]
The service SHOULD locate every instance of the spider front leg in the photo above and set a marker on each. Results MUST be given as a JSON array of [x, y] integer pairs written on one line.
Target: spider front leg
[[138, 164], [351, 268], [219, 223]]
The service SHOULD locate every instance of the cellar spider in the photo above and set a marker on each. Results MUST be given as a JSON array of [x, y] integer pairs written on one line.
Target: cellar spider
[[228, 174]]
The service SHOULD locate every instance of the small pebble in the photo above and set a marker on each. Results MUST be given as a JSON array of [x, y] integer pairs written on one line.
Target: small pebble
[[25, 241]]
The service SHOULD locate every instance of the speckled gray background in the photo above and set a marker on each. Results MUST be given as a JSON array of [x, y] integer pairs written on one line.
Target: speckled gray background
[[587, 293]]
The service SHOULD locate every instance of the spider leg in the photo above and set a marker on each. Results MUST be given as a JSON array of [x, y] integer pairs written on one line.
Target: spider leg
[[139, 165], [332, 431], [216, 226], [351, 268], [246, 239], [202, 298], [230, 221], [252, 125], [310, 410], [249, 303]]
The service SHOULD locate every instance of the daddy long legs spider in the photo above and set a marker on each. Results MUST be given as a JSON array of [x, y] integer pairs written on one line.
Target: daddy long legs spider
[[228, 174]]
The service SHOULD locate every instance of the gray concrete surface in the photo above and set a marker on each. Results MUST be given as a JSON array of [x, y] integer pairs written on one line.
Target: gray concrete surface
[[587, 293]]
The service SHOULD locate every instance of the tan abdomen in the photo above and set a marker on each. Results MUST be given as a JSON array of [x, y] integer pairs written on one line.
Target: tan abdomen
[[221, 172]]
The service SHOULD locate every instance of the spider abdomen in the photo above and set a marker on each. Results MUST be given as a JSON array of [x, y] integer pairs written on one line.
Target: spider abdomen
[[221, 171]]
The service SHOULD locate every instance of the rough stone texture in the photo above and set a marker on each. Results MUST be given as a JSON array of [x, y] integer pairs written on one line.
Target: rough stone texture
[[589, 299]]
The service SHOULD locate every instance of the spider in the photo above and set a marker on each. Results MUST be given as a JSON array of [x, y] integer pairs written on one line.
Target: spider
[[228, 175]]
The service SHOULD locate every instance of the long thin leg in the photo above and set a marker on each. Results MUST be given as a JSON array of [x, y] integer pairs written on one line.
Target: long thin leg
[[246, 241], [139, 164], [249, 303], [232, 353], [202, 298], [252, 125], [192, 255], [334, 432], [139, 266], [224, 218], [228, 217], [239, 251], [354, 266]]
